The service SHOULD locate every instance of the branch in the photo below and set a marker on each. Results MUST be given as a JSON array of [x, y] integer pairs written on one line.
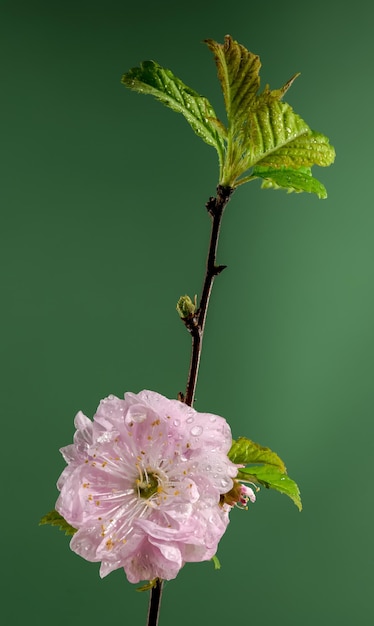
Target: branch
[[195, 323], [154, 603]]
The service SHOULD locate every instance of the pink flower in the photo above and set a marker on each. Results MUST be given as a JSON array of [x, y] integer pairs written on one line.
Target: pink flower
[[143, 485]]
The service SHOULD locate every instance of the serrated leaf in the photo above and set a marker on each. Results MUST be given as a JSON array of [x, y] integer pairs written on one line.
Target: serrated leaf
[[238, 71], [271, 477], [297, 180], [153, 79], [271, 124], [309, 149], [246, 451], [55, 519], [261, 128]]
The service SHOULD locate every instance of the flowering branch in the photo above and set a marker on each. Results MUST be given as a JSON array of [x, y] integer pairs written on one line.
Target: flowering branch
[[150, 482], [195, 323]]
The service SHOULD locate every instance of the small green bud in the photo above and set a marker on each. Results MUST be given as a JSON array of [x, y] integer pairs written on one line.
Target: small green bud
[[185, 306]]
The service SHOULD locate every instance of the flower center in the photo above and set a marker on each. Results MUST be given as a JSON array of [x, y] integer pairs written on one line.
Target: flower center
[[148, 484]]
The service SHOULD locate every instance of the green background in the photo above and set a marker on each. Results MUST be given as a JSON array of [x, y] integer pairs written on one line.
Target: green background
[[103, 227]]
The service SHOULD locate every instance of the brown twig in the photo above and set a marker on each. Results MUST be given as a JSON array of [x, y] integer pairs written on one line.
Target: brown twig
[[195, 324]]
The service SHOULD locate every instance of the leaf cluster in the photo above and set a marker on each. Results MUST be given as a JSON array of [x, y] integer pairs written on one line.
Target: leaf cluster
[[264, 138], [264, 467]]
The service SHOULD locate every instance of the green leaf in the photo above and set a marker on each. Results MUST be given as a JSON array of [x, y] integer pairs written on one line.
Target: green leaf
[[297, 180], [151, 78], [216, 563], [309, 149], [238, 72], [272, 474], [245, 451], [55, 519], [273, 478], [261, 128]]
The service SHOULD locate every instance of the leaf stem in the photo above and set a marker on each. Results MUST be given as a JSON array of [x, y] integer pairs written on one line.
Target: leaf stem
[[195, 324]]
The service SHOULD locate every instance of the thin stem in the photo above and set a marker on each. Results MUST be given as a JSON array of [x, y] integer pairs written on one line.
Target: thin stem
[[154, 603], [196, 323]]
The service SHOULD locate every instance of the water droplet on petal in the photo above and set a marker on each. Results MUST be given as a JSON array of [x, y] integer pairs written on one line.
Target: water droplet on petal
[[190, 419], [196, 431], [176, 422], [212, 418], [135, 417]]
